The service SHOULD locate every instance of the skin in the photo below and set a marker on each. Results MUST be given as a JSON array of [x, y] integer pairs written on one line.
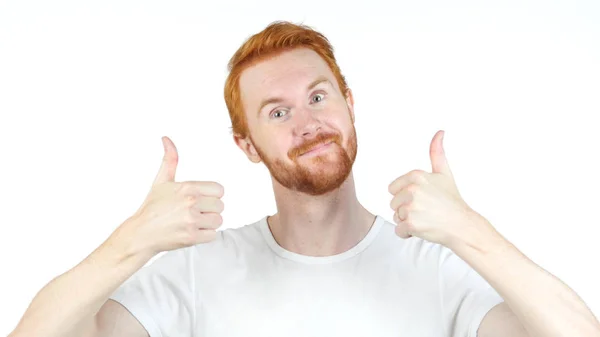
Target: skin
[[536, 303], [318, 211], [320, 215]]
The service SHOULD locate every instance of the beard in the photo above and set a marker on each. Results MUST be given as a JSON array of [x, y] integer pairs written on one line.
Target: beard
[[314, 174]]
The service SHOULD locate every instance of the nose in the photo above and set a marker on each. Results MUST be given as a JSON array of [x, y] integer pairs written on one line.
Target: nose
[[307, 123]]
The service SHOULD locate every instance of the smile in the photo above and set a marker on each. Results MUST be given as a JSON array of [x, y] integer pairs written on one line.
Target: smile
[[319, 148]]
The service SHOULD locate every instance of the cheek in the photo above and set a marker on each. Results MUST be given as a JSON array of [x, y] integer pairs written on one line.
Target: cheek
[[346, 131], [278, 150], [275, 147]]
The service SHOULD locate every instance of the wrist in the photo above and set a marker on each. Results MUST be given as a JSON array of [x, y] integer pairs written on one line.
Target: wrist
[[122, 244], [479, 236]]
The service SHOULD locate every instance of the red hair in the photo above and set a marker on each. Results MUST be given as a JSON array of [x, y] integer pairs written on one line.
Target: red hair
[[276, 38]]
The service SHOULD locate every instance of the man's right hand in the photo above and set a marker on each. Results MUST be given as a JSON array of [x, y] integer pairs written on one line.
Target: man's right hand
[[174, 214]]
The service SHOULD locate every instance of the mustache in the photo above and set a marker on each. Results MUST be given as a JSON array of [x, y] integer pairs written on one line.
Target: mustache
[[322, 138]]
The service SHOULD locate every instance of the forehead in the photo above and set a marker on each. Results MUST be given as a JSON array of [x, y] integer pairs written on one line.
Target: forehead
[[280, 74]]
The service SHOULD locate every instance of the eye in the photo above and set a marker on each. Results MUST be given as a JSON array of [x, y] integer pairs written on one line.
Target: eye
[[318, 98], [281, 113]]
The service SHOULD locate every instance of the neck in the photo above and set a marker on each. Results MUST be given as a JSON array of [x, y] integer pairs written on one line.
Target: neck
[[322, 225]]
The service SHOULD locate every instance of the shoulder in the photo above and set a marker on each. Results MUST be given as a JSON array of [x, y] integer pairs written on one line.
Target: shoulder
[[232, 242]]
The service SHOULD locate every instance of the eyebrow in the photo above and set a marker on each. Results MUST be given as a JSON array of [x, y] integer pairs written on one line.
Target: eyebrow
[[272, 100]]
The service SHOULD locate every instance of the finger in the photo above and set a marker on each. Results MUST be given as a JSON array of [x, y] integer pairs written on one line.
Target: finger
[[401, 198], [169, 162], [401, 232], [402, 214], [204, 188], [204, 204], [401, 228], [396, 218], [206, 235], [209, 220], [439, 162], [414, 176]]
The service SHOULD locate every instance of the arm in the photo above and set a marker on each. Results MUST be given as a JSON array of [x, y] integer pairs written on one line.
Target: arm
[[174, 215], [538, 300], [429, 205], [68, 305], [501, 321]]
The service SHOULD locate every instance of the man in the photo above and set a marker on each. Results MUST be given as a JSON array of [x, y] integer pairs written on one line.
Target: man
[[323, 265]]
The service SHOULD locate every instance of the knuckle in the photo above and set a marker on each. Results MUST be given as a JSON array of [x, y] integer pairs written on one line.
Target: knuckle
[[182, 187], [412, 188], [395, 203], [403, 214], [421, 179], [191, 199], [419, 175], [190, 218]]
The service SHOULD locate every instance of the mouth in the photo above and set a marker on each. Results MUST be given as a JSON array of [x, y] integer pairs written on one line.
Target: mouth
[[318, 149]]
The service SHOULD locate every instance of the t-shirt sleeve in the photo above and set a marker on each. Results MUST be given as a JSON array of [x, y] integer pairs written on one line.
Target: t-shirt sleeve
[[466, 297], [161, 295]]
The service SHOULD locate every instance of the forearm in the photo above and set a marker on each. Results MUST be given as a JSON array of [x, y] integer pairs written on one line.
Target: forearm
[[543, 303], [67, 305]]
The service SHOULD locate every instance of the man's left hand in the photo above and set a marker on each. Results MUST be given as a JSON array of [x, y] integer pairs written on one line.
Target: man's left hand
[[429, 206]]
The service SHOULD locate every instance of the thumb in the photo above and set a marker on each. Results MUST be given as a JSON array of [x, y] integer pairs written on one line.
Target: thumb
[[169, 162], [439, 163]]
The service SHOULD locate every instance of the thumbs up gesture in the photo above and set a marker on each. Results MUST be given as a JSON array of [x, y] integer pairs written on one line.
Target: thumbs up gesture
[[174, 214], [429, 206]]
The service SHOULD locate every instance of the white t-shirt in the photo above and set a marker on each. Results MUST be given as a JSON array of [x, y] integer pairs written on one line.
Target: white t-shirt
[[244, 284]]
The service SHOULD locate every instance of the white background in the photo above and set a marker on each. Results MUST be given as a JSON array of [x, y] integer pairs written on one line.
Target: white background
[[87, 89]]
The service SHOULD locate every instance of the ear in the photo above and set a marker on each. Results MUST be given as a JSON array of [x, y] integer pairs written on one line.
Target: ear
[[245, 144], [350, 102]]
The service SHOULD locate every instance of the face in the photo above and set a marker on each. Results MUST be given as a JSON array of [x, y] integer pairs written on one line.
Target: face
[[301, 126]]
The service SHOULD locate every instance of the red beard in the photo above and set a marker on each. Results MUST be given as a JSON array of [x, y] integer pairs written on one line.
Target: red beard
[[318, 173]]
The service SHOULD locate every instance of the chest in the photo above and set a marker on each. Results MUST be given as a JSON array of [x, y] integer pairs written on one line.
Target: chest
[[316, 304]]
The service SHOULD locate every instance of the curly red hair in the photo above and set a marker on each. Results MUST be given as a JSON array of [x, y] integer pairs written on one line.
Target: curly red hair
[[276, 38]]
